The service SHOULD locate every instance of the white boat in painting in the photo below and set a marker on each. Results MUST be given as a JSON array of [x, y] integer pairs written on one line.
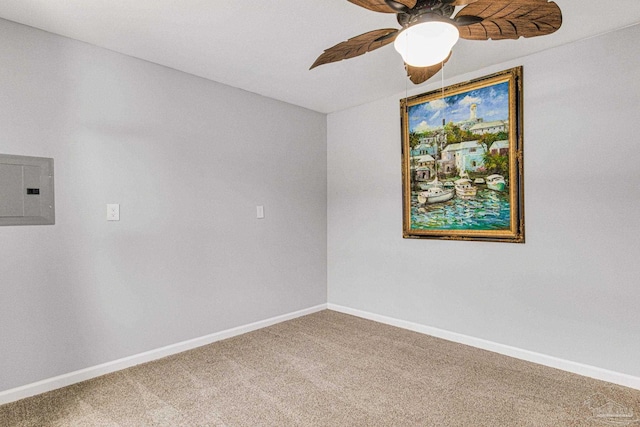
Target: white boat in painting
[[464, 188], [425, 185], [478, 181], [496, 182], [435, 195], [448, 184]]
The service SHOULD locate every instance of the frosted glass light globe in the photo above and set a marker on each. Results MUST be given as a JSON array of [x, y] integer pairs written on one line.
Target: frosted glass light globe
[[427, 43]]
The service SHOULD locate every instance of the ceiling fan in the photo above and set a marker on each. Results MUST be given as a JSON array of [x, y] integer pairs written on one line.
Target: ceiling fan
[[477, 20]]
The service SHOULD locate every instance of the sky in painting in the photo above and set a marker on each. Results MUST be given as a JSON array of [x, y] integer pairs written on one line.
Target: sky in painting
[[492, 104]]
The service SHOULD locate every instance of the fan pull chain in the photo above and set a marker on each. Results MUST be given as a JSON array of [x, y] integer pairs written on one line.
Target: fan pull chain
[[406, 85], [406, 101], [442, 86], [444, 115]]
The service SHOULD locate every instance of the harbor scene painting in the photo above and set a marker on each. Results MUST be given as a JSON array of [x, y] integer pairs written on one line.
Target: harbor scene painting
[[462, 161]]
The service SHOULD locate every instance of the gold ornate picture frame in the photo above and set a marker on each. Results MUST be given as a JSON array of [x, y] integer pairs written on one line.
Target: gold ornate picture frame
[[462, 161]]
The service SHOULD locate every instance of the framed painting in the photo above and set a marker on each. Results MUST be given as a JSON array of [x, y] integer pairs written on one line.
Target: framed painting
[[462, 161]]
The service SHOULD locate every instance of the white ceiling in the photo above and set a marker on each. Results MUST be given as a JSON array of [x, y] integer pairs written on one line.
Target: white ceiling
[[267, 47]]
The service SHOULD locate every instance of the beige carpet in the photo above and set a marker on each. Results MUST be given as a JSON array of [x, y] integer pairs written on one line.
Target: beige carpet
[[331, 369]]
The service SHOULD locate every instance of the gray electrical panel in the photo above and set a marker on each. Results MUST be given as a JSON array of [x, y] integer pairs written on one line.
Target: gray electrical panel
[[26, 190]]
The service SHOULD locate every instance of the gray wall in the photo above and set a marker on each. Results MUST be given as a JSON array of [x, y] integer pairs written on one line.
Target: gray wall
[[188, 160], [572, 291]]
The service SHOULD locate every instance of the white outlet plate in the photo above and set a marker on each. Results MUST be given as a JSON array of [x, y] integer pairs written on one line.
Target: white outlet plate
[[113, 212]]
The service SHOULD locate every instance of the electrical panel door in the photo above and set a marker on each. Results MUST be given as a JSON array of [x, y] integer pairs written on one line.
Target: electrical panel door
[[26, 190]]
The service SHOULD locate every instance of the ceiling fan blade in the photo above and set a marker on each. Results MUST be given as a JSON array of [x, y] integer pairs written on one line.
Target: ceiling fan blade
[[382, 5], [510, 19], [421, 74], [467, 20], [357, 46], [458, 2]]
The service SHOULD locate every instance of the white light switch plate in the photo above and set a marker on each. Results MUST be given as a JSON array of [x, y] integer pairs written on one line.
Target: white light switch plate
[[260, 212], [113, 212]]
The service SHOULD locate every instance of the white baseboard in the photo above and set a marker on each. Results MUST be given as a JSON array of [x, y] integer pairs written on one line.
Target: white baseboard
[[95, 371], [518, 353], [127, 362]]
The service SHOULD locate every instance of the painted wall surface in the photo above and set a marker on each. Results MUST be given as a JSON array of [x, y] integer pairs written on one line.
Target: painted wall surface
[[188, 160], [572, 290]]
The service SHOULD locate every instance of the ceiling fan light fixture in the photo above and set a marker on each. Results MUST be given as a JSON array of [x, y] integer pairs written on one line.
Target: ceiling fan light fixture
[[426, 43]]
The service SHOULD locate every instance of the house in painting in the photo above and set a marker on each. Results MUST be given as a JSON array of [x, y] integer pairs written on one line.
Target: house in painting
[[447, 162], [423, 148], [490, 127], [423, 167], [500, 147], [429, 140], [470, 156], [467, 155]]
